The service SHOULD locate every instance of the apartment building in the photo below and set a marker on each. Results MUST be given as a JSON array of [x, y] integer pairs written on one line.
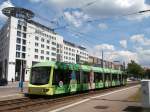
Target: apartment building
[[74, 53], [106, 64], [25, 42]]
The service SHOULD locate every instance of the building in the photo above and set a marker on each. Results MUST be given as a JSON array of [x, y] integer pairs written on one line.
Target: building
[[104, 63], [25, 42], [74, 53]]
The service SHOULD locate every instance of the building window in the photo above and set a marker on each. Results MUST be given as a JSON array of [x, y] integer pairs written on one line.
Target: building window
[[36, 56], [57, 50], [18, 54], [53, 59], [42, 51], [53, 54], [42, 57], [36, 44], [24, 42], [47, 58], [42, 39], [53, 48], [23, 55], [18, 47], [48, 41], [24, 35], [47, 47], [19, 27], [57, 45], [36, 50], [24, 28], [53, 43], [42, 45], [19, 33], [18, 40], [36, 38], [47, 52], [23, 48]]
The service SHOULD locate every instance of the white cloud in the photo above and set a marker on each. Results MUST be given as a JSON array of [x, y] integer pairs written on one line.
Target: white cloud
[[103, 26], [140, 39], [126, 56], [123, 43], [3, 5], [141, 56], [101, 8], [75, 17], [106, 47], [144, 57], [111, 54]]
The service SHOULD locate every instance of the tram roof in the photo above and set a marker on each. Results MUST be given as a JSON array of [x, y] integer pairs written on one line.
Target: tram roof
[[45, 64], [70, 66], [60, 65]]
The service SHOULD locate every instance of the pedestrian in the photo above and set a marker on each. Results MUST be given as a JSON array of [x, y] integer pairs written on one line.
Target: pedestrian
[[21, 85], [12, 80]]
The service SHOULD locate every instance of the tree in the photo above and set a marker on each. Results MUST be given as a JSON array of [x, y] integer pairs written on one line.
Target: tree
[[147, 73], [135, 70]]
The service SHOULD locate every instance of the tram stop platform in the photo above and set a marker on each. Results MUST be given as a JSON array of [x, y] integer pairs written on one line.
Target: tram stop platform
[[12, 91], [123, 100]]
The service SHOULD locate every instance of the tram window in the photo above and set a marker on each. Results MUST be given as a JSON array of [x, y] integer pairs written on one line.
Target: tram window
[[114, 77], [40, 75], [97, 77], [61, 75], [85, 77], [107, 77], [78, 77]]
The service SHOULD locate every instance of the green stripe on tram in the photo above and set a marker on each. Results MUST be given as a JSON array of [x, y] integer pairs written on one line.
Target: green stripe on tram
[[86, 68]]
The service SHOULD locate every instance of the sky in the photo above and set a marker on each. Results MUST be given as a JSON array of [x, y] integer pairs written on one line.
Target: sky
[[112, 26]]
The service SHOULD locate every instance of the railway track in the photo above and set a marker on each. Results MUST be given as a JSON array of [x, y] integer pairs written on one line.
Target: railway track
[[36, 104]]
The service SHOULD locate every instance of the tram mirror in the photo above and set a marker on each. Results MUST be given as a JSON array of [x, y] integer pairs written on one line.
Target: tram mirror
[[60, 83]]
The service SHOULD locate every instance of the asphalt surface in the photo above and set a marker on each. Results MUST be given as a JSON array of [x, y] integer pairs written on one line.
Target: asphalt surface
[[115, 102]]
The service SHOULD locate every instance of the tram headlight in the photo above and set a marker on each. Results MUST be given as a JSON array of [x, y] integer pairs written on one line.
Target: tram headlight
[[45, 90]]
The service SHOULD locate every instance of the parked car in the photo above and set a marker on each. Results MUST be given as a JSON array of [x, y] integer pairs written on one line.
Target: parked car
[[3, 82]]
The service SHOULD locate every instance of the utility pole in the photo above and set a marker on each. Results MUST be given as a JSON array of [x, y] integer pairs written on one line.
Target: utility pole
[[102, 59], [103, 67], [21, 81]]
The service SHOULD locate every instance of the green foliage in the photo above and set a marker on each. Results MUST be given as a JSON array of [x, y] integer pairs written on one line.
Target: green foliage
[[147, 73], [135, 69]]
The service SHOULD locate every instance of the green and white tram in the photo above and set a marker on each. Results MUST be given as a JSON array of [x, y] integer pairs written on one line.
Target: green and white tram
[[51, 78]]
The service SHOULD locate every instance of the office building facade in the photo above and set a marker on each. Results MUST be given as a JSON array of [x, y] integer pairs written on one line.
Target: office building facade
[[25, 42]]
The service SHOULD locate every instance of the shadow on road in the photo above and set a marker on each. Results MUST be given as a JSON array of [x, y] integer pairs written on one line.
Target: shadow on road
[[135, 109], [117, 100]]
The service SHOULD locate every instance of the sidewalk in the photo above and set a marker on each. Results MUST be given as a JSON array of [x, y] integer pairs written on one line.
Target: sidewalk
[[14, 85], [12, 91]]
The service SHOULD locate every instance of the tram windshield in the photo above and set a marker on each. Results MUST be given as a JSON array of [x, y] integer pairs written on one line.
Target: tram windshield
[[40, 75]]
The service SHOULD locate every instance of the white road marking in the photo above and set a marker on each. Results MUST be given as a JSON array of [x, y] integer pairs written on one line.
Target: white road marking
[[85, 100]]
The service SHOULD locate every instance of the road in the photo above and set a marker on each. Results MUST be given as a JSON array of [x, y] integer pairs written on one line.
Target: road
[[110, 102]]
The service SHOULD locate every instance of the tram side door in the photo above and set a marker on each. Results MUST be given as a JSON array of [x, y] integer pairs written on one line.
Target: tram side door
[[91, 80], [73, 82]]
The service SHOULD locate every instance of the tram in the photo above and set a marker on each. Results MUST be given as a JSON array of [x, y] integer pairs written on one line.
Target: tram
[[53, 78]]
